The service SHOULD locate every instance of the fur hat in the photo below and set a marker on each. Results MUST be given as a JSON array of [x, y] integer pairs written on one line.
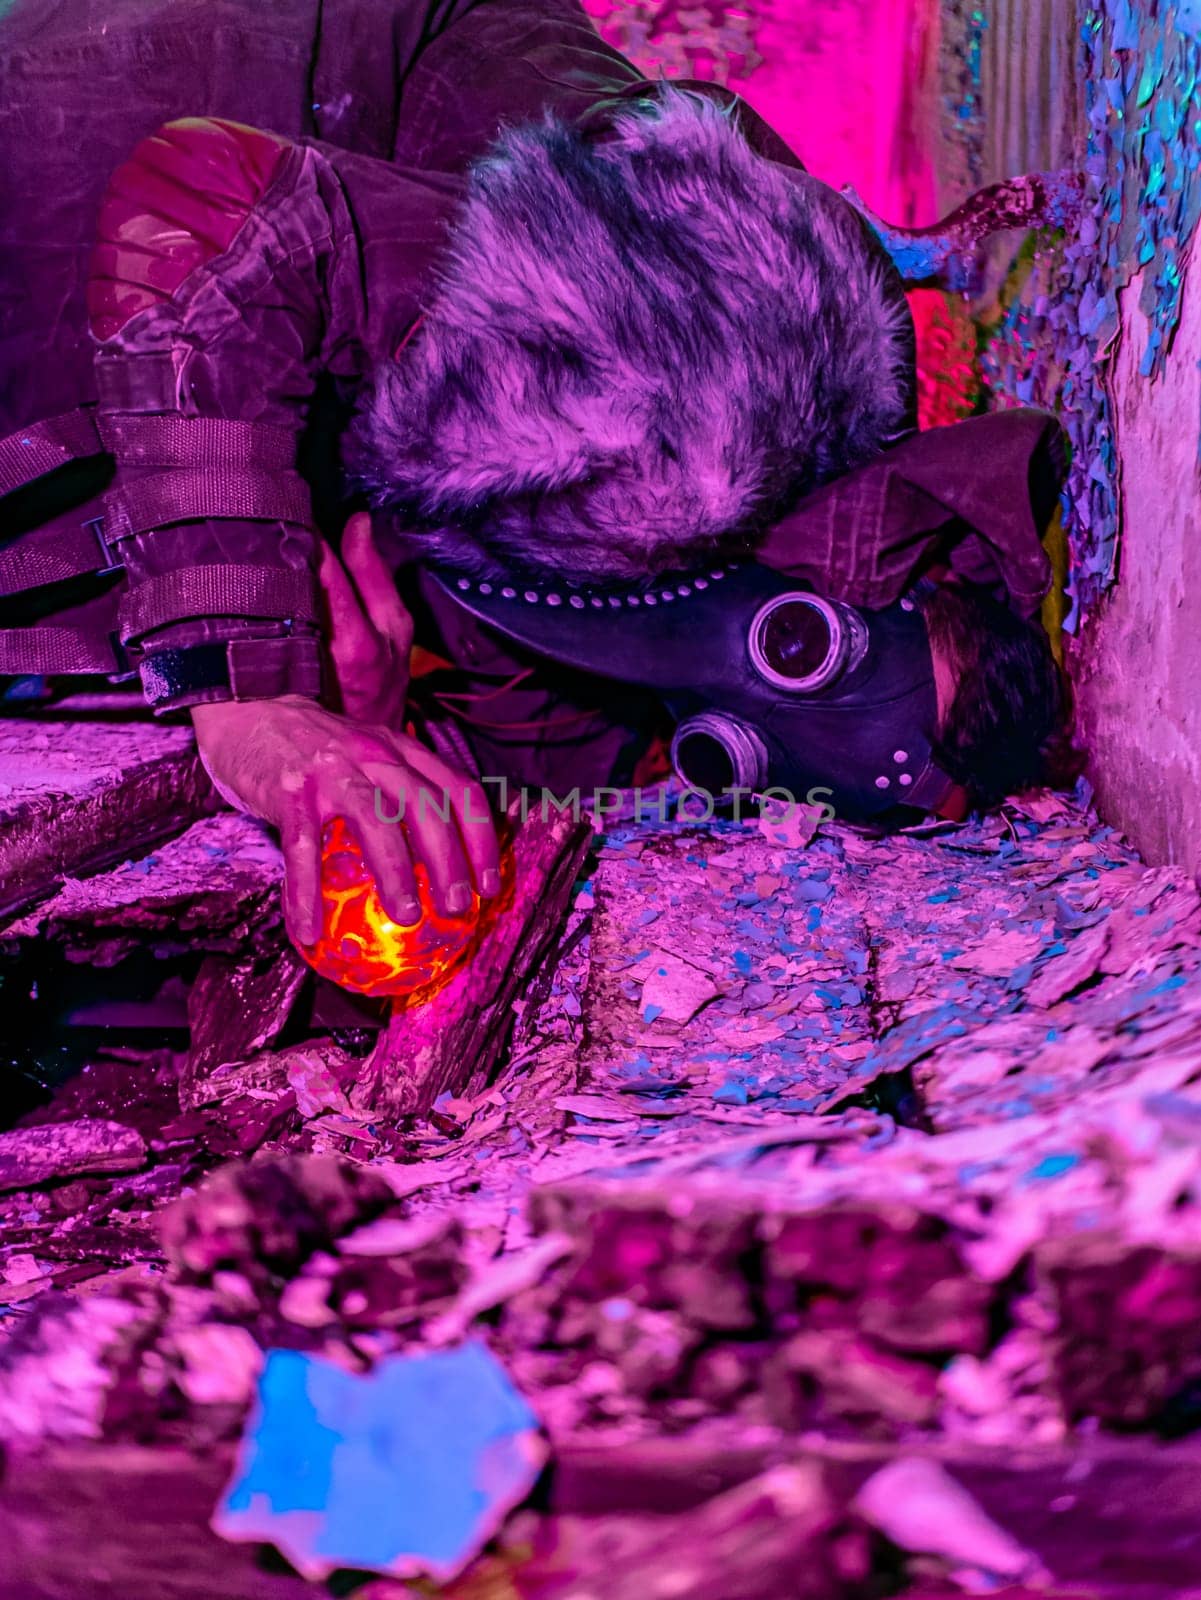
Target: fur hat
[[638, 351]]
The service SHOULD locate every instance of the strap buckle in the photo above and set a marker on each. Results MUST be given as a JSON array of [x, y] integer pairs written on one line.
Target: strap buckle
[[95, 526], [124, 667]]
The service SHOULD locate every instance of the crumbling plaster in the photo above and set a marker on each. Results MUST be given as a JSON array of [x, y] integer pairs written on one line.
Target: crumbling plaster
[[1138, 664]]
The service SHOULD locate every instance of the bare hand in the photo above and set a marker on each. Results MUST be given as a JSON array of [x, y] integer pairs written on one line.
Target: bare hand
[[371, 632], [296, 765]]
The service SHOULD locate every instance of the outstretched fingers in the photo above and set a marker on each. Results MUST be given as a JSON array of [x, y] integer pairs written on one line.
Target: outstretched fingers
[[420, 808]]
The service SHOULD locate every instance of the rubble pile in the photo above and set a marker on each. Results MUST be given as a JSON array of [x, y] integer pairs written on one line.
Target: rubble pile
[[815, 1157]]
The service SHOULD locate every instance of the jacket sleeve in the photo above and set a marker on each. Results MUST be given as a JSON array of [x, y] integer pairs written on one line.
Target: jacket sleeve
[[206, 300]]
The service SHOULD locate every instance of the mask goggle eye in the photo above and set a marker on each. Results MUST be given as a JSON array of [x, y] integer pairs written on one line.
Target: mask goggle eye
[[803, 643], [713, 752]]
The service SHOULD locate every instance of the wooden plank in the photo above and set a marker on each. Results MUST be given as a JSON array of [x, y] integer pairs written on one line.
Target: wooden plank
[[57, 1150], [237, 1006], [455, 1038], [76, 797], [754, 1542], [1113, 1520], [214, 887], [124, 1523]]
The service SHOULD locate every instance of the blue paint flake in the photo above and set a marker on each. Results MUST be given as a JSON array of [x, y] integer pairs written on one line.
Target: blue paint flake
[[732, 1092], [812, 888], [404, 1470], [1052, 1167], [1168, 984]]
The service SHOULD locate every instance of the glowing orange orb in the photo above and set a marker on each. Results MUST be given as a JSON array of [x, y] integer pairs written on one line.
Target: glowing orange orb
[[361, 948]]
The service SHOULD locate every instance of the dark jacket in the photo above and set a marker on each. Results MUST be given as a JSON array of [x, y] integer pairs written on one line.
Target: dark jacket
[[228, 228], [237, 283]]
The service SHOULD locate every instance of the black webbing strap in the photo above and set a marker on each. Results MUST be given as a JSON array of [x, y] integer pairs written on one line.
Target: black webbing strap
[[247, 669], [56, 650], [172, 441], [217, 591], [31, 452], [243, 494]]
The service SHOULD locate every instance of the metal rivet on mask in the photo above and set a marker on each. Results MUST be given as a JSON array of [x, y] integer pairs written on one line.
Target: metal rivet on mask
[[900, 755], [532, 596], [464, 583], [881, 783], [718, 572], [613, 600], [577, 601], [683, 591], [667, 594], [650, 600], [906, 779], [485, 588], [906, 605], [554, 600], [597, 602], [633, 600], [509, 594], [700, 583]]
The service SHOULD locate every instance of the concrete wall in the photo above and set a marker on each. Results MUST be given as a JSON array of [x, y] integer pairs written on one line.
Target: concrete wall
[[1138, 664], [1137, 660]]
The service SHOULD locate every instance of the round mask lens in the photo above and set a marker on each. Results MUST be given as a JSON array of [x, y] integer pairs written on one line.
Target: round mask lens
[[797, 642], [713, 752]]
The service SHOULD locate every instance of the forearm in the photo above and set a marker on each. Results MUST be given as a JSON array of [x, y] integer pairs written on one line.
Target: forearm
[[205, 297], [225, 609]]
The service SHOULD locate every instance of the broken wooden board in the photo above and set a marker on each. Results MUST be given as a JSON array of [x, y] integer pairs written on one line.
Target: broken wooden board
[[722, 1296], [753, 1541], [454, 1039], [821, 1295], [236, 1006], [213, 887], [77, 796], [129, 1524], [1108, 1518], [58, 1150]]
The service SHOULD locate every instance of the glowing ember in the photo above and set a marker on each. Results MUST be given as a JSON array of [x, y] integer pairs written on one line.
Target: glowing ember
[[361, 948]]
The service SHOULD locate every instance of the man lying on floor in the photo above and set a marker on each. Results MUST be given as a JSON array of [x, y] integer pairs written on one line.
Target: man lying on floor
[[622, 382]]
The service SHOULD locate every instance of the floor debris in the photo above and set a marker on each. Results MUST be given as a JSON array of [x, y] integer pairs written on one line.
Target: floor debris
[[865, 1150]]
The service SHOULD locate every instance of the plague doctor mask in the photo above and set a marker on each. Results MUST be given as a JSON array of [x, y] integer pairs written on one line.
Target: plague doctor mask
[[771, 686]]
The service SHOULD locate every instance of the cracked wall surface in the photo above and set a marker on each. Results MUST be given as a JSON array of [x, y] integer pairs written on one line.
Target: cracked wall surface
[[1139, 676]]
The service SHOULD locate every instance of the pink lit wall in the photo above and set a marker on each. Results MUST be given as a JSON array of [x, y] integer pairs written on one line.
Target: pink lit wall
[[852, 85]]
